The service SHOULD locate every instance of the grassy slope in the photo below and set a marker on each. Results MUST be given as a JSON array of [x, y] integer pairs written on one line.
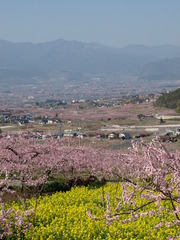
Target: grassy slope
[[170, 100]]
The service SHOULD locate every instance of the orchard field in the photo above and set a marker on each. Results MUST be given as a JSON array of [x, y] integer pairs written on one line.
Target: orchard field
[[107, 194]]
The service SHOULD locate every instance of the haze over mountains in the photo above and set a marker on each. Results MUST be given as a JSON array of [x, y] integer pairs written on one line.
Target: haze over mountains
[[77, 61]]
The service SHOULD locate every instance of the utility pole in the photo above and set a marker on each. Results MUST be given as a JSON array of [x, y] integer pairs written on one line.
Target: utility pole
[[60, 129], [79, 128]]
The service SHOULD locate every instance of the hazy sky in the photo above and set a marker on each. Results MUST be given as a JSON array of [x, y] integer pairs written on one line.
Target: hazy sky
[[111, 22]]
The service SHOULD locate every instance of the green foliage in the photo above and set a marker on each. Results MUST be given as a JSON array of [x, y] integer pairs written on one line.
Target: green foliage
[[55, 186], [169, 100], [178, 109]]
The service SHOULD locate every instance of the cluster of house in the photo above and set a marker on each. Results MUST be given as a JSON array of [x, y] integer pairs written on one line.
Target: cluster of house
[[73, 133], [169, 136], [48, 120], [137, 99], [51, 103], [144, 116], [115, 135], [8, 117]]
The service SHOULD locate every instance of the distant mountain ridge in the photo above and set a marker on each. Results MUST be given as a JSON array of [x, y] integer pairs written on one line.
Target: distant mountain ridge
[[27, 62], [162, 69]]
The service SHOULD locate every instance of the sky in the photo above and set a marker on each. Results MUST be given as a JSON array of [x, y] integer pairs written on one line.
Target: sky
[[114, 23]]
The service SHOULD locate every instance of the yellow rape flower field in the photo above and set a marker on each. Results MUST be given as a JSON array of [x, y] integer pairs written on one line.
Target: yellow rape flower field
[[63, 216]]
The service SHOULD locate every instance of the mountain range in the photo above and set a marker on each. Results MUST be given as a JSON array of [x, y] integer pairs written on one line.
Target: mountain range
[[28, 62]]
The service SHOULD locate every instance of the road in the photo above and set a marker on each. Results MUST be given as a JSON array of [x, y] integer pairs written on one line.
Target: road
[[135, 127]]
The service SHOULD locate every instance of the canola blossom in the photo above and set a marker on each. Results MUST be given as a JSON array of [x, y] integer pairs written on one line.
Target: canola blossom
[[63, 216]]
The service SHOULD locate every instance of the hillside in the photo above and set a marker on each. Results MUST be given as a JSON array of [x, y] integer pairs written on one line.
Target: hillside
[[170, 100]]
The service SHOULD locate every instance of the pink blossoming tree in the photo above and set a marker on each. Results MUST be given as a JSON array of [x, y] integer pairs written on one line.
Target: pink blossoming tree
[[148, 172]]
